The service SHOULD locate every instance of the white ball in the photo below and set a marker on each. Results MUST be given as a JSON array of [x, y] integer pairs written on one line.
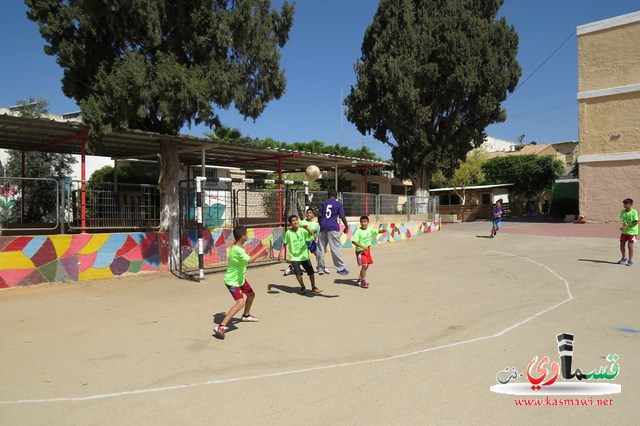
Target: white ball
[[312, 172]]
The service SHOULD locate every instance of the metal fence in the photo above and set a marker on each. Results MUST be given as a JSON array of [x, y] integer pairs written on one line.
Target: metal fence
[[58, 205], [379, 206], [112, 206], [28, 204], [53, 205]]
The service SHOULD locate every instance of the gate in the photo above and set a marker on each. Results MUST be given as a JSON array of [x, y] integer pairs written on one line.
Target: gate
[[209, 215]]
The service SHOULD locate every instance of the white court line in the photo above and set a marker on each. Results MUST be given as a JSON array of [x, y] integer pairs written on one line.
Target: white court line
[[324, 367]]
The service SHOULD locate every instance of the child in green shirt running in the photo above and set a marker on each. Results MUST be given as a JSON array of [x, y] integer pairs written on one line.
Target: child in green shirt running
[[236, 283], [629, 230], [295, 238], [361, 239]]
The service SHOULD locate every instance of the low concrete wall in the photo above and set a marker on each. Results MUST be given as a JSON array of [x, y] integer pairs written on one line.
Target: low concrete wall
[[26, 260]]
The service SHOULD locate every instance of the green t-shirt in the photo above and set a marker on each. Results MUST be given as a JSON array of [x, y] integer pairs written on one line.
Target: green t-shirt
[[297, 243], [628, 217], [314, 227], [364, 237], [236, 266]]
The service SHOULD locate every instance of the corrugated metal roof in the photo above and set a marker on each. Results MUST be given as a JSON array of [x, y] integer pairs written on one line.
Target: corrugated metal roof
[[42, 134]]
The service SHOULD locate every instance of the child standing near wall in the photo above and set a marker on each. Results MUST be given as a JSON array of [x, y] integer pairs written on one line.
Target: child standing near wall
[[361, 239], [629, 230]]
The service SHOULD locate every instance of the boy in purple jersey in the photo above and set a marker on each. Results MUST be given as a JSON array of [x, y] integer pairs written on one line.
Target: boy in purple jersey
[[328, 214]]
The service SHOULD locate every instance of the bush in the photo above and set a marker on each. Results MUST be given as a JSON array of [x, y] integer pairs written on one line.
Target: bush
[[564, 206]]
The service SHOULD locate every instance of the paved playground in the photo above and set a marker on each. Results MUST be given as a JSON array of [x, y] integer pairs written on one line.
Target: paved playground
[[444, 314]]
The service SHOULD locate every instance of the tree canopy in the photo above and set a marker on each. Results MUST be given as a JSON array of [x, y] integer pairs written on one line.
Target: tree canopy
[[431, 78], [156, 65], [530, 173]]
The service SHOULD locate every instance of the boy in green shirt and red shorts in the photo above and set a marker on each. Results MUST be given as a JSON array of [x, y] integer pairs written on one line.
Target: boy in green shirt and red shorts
[[236, 282], [629, 230], [361, 239]]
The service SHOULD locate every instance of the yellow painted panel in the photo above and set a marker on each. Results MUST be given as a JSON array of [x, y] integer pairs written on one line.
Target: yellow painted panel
[[61, 243], [15, 260], [94, 274], [96, 242]]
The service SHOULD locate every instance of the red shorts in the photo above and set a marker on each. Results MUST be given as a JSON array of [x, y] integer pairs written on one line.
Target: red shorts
[[364, 257], [238, 291], [624, 238]]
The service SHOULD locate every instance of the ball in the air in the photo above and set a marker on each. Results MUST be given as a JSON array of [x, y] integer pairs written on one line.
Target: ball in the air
[[312, 172]]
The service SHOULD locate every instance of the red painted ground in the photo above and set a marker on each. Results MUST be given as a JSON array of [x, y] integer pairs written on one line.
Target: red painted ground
[[591, 230]]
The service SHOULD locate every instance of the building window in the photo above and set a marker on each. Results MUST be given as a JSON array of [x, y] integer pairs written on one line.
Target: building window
[[209, 172], [486, 198], [398, 189], [444, 200], [373, 188]]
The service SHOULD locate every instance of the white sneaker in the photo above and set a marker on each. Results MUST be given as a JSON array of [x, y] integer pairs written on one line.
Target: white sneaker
[[250, 318]]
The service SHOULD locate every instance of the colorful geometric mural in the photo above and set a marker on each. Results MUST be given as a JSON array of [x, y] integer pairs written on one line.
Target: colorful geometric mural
[[26, 260], [218, 244]]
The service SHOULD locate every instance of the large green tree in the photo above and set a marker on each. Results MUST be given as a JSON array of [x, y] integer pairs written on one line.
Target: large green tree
[[430, 79], [156, 65], [530, 174], [39, 195]]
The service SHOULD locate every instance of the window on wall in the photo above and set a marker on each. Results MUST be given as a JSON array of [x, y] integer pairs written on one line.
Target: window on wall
[[486, 198], [444, 200], [398, 189], [208, 172], [454, 199], [373, 188]]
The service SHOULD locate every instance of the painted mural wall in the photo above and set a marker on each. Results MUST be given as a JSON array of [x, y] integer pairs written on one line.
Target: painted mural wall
[[27, 260]]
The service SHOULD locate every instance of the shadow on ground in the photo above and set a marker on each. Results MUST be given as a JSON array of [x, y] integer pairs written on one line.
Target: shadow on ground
[[296, 290]]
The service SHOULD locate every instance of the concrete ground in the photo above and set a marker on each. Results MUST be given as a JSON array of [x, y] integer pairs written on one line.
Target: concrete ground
[[444, 314]]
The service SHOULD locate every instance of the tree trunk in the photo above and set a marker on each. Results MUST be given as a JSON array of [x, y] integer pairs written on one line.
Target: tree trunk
[[420, 181], [168, 183]]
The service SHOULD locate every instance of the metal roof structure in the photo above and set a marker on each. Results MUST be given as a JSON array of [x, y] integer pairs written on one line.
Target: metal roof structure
[[43, 134]]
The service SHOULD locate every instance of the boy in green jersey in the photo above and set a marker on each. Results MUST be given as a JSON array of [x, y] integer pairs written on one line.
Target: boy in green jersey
[[236, 282], [629, 230], [311, 227], [295, 238], [361, 239]]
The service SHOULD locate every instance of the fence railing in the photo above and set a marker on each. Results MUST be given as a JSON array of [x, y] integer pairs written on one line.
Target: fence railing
[[47, 204], [379, 206], [113, 206], [28, 204]]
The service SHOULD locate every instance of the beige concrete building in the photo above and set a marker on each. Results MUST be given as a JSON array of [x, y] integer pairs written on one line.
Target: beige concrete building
[[609, 115]]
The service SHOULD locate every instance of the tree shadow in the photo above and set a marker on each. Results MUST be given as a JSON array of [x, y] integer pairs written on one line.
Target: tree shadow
[[296, 290], [598, 261]]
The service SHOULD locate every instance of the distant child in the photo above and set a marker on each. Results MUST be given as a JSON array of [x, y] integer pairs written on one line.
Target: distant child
[[497, 217], [236, 283], [361, 239], [311, 227], [295, 238], [629, 230]]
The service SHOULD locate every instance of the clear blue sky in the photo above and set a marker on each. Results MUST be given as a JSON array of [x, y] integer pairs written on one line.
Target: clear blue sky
[[318, 60]]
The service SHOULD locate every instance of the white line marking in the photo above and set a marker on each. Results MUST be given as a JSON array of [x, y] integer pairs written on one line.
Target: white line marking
[[324, 367]]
